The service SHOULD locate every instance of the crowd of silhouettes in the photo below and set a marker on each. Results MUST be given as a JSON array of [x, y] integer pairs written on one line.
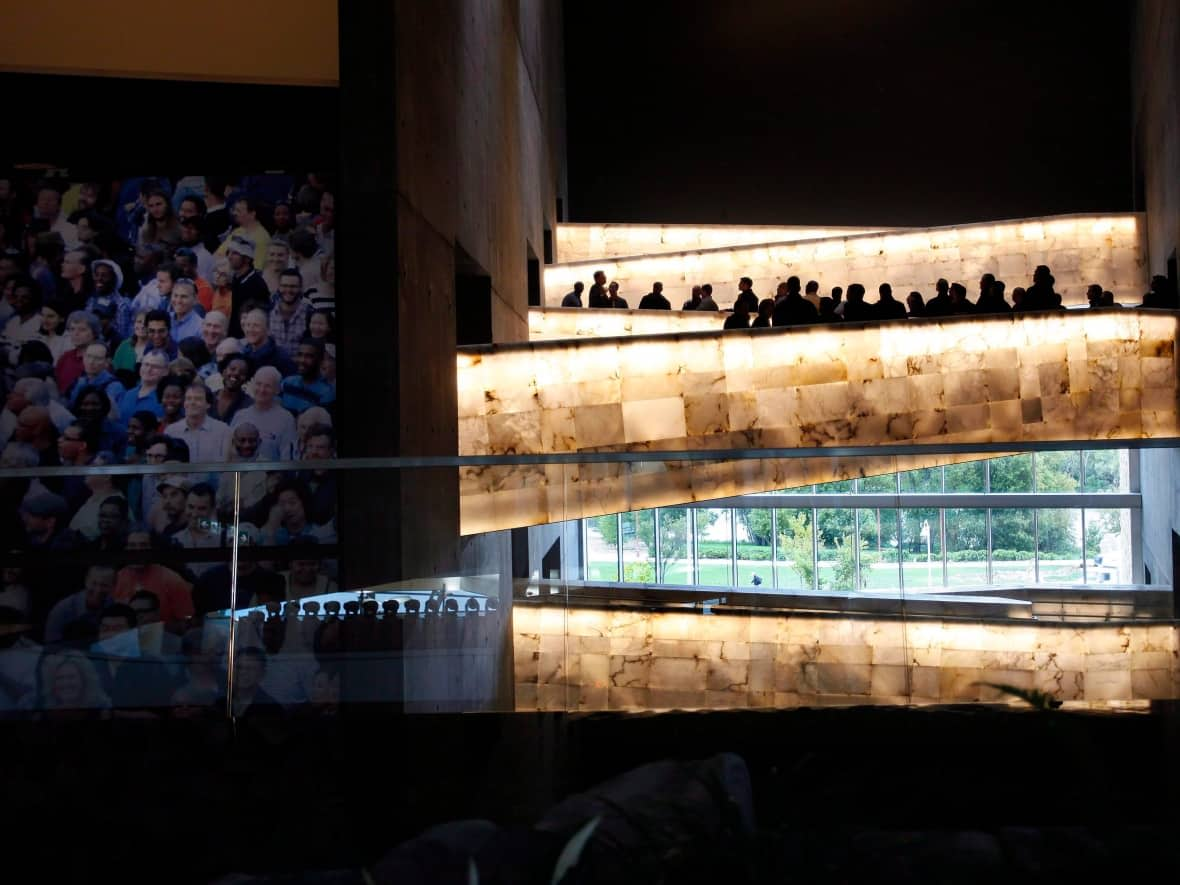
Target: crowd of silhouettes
[[794, 304]]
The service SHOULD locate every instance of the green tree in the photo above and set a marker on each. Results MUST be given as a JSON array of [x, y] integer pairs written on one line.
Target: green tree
[[796, 544], [757, 523]]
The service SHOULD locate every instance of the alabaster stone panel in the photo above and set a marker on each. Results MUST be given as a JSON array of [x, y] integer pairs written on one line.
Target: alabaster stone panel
[[559, 323], [599, 660], [577, 242], [1073, 376], [1079, 249]]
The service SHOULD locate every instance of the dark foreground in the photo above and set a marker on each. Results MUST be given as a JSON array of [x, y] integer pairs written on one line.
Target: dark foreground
[[950, 794]]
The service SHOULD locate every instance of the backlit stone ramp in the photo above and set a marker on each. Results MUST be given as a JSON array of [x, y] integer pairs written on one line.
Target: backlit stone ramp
[[1069, 377], [1079, 249]]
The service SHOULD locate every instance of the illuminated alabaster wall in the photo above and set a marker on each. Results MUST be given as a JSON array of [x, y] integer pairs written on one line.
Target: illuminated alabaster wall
[[586, 242], [556, 323], [1073, 376], [594, 659], [1079, 249]]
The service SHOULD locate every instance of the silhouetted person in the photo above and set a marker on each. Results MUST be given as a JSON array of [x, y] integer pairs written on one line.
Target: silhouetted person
[[790, 309], [888, 307], [960, 303], [1040, 295], [598, 296], [940, 305], [707, 302], [740, 318], [837, 297], [856, 310], [985, 284], [694, 299], [1094, 296], [747, 296], [993, 300], [655, 300], [574, 298], [765, 310], [614, 299], [1017, 298], [1108, 300], [1162, 295], [916, 305], [811, 293]]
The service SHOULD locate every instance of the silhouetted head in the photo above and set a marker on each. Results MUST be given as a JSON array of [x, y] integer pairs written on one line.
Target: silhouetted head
[[812, 287], [985, 283], [793, 284], [856, 293], [941, 286], [1041, 275], [579, 287], [1094, 295], [745, 283], [958, 293], [885, 291]]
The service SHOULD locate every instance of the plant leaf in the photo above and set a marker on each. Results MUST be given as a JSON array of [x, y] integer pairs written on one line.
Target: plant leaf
[[568, 859]]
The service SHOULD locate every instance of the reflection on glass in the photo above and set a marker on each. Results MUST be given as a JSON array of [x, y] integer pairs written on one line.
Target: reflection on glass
[[638, 546], [921, 537], [797, 490], [714, 551], [1059, 471], [966, 547], [836, 487], [878, 485], [967, 477], [1013, 546], [795, 555], [879, 549], [837, 555], [1108, 547], [675, 562], [1059, 546], [926, 480], [1013, 474], [1105, 470], [753, 547], [602, 548]]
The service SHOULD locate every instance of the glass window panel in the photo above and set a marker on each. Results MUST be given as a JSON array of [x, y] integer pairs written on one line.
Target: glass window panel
[[924, 480], [1059, 545], [966, 547], [797, 490], [1059, 471], [878, 485], [1106, 470], [795, 556], [1013, 546], [639, 547], [966, 477], [1012, 474], [921, 542], [837, 532], [836, 487], [602, 548], [675, 562], [754, 528], [879, 548], [714, 556], [1108, 547]]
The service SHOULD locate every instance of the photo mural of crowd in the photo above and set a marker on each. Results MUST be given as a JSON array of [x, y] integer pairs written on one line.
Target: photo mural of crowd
[[151, 320]]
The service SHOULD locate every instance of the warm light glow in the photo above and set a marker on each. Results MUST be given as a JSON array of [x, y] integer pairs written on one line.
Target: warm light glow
[[556, 323], [1072, 376], [1079, 249], [577, 242], [638, 659]]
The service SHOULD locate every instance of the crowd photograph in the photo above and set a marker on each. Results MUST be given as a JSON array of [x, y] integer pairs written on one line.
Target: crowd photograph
[[158, 320]]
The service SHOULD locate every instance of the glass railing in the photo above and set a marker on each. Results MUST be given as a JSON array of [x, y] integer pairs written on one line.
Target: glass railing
[[920, 575]]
